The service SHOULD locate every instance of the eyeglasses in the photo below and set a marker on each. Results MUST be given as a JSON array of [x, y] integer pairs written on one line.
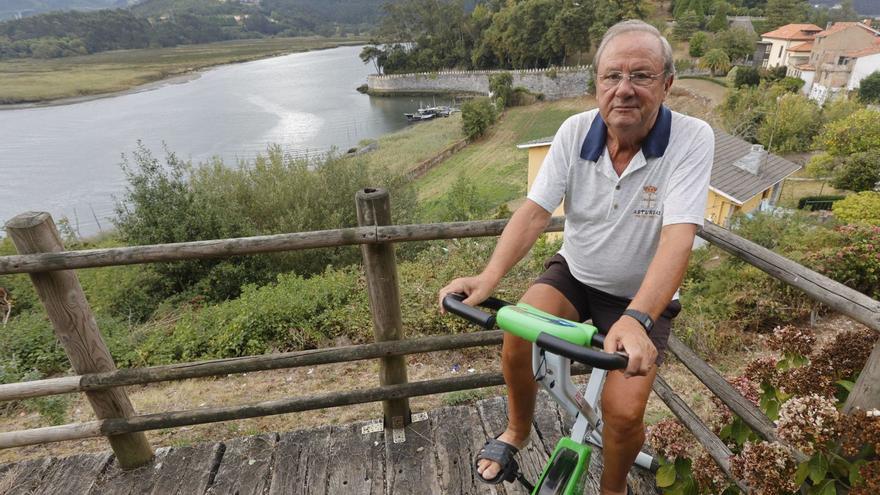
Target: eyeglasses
[[643, 79]]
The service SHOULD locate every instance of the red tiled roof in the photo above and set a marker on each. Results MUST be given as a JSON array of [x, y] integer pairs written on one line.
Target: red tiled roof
[[864, 52], [795, 32], [803, 47], [840, 26]]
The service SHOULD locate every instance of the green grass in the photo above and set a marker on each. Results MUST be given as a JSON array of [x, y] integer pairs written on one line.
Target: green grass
[[493, 163], [792, 191], [403, 150], [36, 80]]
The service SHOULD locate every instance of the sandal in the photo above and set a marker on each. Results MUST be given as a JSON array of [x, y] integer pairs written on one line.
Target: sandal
[[501, 452]]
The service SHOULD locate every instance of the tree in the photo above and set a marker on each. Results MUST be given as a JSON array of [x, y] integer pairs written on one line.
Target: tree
[[857, 172], [737, 43], [716, 61], [869, 88], [372, 53], [698, 44], [781, 12], [476, 117], [501, 87], [746, 75], [686, 25], [791, 125], [860, 132], [719, 20]]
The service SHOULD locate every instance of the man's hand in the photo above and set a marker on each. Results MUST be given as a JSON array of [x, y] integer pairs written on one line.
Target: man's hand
[[629, 336], [476, 288]]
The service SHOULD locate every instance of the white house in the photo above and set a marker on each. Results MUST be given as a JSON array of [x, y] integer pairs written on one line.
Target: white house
[[866, 62], [783, 38]]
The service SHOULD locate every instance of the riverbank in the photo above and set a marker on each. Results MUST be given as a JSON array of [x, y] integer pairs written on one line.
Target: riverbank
[[37, 82]]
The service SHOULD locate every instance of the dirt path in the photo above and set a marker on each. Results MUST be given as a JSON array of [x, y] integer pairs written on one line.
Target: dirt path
[[707, 89]]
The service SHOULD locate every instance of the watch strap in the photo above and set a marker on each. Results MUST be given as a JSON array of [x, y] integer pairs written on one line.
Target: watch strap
[[643, 318]]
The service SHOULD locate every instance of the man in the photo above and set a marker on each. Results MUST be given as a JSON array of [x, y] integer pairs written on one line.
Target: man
[[634, 176]]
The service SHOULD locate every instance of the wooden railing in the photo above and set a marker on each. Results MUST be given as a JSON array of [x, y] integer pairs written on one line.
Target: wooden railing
[[51, 270]]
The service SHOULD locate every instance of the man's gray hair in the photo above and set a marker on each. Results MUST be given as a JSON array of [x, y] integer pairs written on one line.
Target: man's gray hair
[[635, 25]]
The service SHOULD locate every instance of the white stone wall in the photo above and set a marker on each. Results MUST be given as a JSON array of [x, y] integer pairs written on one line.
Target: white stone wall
[[562, 82]]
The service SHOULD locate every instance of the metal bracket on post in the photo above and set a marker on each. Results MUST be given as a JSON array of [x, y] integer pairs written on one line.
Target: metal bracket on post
[[398, 429]]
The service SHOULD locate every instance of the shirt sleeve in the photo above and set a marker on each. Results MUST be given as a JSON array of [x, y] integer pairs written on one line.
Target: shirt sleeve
[[688, 189], [548, 190]]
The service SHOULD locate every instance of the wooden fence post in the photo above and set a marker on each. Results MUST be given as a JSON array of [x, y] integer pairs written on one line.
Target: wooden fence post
[[374, 208], [865, 394], [77, 330]]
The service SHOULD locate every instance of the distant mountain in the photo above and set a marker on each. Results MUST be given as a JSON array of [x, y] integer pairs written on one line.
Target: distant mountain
[[864, 7], [11, 9]]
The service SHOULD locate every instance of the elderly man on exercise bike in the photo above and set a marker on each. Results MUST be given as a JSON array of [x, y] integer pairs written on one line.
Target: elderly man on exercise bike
[[634, 178]]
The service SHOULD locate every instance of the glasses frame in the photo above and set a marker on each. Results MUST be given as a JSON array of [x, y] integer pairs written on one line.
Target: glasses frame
[[603, 79]]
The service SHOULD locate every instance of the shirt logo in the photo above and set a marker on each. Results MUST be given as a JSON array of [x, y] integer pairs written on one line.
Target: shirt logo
[[649, 203]]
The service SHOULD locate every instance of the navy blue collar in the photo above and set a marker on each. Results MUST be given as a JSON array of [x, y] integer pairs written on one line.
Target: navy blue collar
[[653, 146]]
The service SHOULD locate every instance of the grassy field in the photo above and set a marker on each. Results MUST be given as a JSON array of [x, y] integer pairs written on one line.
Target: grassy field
[[403, 150], [34, 80]]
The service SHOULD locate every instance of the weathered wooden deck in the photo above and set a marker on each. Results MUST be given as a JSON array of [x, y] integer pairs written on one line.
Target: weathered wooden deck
[[436, 458]]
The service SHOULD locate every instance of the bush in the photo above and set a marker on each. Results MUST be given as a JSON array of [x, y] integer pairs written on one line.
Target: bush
[[791, 127], [869, 88], [791, 84], [839, 108], [477, 116], [716, 61], [856, 263], [746, 76], [861, 208], [501, 86], [859, 132], [698, 44], [857, 172]]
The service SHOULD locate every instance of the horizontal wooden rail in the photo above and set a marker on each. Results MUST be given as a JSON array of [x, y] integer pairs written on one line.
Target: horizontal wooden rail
[[93, 258], [713, 445], [819, 287], [181, 371], [268, 408]]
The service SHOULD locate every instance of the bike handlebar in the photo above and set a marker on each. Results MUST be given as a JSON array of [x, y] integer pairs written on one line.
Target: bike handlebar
[[591, 357]]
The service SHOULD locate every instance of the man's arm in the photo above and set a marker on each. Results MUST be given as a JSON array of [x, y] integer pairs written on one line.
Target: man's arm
[[526, 224], [663, 278]]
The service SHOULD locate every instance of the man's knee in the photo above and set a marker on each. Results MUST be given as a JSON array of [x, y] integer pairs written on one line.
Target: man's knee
[[516, 351], [623, 422]]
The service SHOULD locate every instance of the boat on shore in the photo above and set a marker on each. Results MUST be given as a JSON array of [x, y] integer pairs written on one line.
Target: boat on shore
[[428, 113]]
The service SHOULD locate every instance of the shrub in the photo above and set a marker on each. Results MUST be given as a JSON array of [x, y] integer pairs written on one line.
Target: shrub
[[716, 61], [746, 76], [869, 88], [863, 207], [839, 108], [859, 132], [857, 172], [857, 262], [501, 86], [698, 44], [477, 116], [791, 84], [683, 64]]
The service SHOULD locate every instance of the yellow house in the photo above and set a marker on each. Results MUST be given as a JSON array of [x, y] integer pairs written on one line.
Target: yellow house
[[745, 177]]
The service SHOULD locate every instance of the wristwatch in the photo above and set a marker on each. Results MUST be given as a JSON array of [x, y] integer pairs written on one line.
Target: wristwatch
[[642, 318]]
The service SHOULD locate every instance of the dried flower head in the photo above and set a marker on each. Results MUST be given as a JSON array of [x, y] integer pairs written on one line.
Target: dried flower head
[[670, 439], [870, 484], [745, 386], [858, 429], [709, 477], [846, 355], [792, 340], [767, 468], [807, 380], [809, 423], [763, 370]]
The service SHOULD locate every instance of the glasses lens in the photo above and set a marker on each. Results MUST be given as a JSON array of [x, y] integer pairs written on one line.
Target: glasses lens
[[641, 79]]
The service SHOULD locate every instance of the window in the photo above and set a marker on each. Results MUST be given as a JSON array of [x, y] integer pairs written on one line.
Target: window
[[842, 60], [780, 50]]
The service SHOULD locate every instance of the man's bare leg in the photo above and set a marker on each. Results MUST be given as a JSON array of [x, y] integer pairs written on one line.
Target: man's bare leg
[[623, 433], [516, 364]]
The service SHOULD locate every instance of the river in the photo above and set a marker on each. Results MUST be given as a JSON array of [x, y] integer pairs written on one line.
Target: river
[[66, 159]]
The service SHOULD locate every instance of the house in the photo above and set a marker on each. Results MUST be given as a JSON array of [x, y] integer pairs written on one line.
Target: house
[[865, 62], [832, 56], [745, 177], [778, 41]]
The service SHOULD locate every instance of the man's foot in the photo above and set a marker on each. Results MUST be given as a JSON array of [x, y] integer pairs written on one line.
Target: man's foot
[[490, 469]]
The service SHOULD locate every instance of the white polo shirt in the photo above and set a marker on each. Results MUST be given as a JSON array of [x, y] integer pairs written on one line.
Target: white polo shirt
[[612, 223]]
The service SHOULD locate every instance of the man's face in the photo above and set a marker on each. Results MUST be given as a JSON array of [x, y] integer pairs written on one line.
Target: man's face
[[627, 107]]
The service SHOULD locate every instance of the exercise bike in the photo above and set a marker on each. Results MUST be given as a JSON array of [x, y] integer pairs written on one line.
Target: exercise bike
[[556, 343]]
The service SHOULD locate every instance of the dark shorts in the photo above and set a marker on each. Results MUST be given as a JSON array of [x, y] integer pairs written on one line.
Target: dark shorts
[[602, 308]]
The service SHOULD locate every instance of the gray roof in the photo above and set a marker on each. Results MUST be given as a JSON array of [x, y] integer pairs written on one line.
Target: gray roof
[[735, 182], [727, 178]]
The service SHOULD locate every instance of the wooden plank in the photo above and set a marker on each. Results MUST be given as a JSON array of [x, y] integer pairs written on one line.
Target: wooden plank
[[550, 422], [301, 464], [246, 467], [866, 392], [411, 466], [174, 471], [76, 329], [77, 474], [532, 458], [458, 436], [23, 478], [380, 267], [819, 287], [359, 461], [93, 258]]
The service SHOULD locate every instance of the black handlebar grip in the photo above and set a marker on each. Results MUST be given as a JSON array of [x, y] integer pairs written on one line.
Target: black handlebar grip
[[453, 303], [581, 354]]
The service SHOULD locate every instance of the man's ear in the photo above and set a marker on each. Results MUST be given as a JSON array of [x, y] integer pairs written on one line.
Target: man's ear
[[668, 84]]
